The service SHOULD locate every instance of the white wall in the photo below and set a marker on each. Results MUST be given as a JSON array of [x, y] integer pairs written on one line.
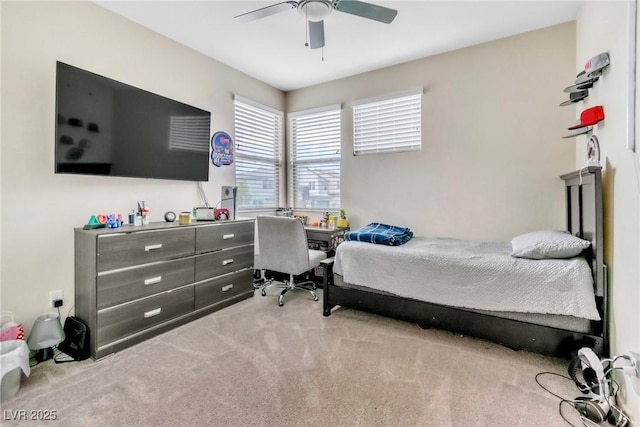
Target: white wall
[[492, 147], [40, 208], [602, 27]]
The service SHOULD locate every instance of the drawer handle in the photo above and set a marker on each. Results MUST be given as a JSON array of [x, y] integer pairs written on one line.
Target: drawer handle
[[227, 262], [152, 313], [228, 236], [227, 288], [152, 280], [152, 247]]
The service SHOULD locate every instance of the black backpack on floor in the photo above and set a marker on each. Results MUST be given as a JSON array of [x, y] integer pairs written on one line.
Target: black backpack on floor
[[76, 342]]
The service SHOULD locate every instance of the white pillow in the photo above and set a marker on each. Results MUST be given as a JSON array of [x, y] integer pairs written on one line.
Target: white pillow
[[547, 244]]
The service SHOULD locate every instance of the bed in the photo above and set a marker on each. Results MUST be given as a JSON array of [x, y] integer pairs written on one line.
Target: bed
[[554, 316]]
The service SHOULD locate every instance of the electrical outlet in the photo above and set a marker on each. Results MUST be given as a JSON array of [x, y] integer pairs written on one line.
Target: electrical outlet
[[636, 358], [54, 295]]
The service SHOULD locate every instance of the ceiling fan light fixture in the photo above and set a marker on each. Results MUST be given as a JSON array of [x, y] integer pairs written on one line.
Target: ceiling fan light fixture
[[315, 10]]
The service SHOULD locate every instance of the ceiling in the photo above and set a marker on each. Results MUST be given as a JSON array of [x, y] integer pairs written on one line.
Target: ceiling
[[272, 49]]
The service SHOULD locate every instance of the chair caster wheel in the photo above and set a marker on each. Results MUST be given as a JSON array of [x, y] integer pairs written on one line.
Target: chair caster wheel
[[263, 293], [315, 298], [280, 303]]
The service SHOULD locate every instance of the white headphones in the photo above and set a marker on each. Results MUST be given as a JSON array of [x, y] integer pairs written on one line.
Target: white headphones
[[595, 406], [590, 360]]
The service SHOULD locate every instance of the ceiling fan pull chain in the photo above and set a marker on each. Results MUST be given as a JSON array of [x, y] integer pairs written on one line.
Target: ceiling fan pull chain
[[306, 28]]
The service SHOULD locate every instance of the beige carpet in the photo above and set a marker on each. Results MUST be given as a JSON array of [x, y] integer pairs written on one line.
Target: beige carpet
[[257, 364]]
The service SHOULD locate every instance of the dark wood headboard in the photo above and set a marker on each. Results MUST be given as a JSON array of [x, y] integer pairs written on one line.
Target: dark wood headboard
[[584, 218]]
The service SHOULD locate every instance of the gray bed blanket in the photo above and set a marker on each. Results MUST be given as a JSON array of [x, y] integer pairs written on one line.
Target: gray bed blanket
[[476, 275]]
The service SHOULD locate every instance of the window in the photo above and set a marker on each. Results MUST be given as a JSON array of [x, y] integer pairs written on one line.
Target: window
[[258, 142], [387, 125], [314, 159]]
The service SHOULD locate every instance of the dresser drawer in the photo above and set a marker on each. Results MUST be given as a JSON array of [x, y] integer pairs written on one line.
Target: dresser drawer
[[120, 321], [223, 235], [223, 262], [125, 250], [127, 285], [219, 289]]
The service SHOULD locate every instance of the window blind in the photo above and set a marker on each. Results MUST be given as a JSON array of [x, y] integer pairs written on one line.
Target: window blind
[[388, 125], [315, 159], [258, 142]]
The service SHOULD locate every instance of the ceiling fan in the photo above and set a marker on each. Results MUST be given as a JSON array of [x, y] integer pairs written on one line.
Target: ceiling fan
[[315, 11]]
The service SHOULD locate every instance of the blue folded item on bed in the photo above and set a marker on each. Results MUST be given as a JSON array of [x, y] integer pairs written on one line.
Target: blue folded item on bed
[[381, 234]]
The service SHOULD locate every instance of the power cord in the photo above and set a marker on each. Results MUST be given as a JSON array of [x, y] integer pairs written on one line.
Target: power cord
[[33, 362], [623, 368], [546, 389], [616, 417], [203, 196], [562, 399], [571, 402]]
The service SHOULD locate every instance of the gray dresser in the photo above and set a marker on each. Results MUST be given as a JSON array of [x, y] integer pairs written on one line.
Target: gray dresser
[[132, 283]]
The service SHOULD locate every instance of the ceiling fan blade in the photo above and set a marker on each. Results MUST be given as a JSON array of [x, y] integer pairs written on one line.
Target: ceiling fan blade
[[367, 10], [266, 11], [316, 34]]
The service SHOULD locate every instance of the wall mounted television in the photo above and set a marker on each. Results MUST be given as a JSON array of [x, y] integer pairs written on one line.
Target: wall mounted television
[[105, 127]]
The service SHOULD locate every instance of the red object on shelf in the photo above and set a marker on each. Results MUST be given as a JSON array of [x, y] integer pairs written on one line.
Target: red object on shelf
[[221, 214], [590, 117]]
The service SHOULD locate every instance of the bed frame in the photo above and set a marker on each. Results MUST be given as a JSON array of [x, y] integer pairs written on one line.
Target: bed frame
[[584, 219]]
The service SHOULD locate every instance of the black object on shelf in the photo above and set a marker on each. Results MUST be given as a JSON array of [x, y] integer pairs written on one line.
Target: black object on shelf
[[577, 87], [575, 97]]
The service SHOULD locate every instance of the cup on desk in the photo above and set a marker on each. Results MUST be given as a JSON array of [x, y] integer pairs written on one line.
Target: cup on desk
[[184, 218]]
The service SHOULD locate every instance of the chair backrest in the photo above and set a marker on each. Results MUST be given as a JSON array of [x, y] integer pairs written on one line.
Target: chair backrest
[[282, 242]]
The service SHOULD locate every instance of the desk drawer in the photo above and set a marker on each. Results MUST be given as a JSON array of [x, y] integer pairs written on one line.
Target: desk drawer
[[318, 235], [216, 290], [125, 250], [127, 285], [223, 235], [118, 322], [223, 262]]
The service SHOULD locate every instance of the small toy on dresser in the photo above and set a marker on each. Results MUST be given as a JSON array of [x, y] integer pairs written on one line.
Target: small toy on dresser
[[342, 220], [324, 222], [104, 221]]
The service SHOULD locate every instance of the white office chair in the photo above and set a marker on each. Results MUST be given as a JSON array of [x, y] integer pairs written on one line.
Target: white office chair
[[283, 248]]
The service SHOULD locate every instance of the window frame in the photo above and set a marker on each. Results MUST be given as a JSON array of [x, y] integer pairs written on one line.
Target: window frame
[[278, 148], [376, 120], [333, 137]]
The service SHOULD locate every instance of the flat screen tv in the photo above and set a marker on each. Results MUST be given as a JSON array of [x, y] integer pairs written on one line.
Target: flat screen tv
[[104, 127]]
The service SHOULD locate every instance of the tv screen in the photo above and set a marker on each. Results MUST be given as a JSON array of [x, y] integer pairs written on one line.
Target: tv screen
[[105, 127]]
